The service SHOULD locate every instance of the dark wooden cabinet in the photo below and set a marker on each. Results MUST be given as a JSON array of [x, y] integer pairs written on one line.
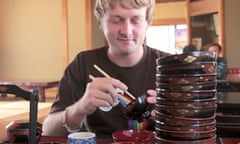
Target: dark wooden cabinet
[[205, 22], [228, 110]]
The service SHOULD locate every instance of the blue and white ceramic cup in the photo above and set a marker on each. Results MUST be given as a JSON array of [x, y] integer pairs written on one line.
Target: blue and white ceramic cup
[[82, 138]]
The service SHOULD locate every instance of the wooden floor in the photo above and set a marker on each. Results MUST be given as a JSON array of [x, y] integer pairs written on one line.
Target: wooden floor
[[14, 108]]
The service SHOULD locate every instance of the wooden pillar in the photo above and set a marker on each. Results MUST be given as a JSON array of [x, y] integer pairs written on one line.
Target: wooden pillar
[[65, 33]]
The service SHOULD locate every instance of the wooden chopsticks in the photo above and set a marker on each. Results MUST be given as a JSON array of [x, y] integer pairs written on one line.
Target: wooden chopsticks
[[108, 76]]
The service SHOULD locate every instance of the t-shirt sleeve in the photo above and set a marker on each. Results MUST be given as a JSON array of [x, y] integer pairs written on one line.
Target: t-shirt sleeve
[[72, 85]]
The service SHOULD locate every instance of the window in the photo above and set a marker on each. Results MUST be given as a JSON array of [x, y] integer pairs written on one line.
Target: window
[[167, 38]]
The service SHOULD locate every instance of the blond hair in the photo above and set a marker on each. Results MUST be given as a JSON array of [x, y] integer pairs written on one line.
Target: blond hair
[[102, 5]]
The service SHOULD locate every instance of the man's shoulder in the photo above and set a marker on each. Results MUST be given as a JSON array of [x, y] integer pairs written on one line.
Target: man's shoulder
[[92, 52], [157, 52], [222, 60]]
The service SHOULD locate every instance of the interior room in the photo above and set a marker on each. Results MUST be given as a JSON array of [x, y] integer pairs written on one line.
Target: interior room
[[38, 39]]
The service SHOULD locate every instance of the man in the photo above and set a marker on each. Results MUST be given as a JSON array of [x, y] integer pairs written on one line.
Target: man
[[129, 62], [189, 48], [221, 61]]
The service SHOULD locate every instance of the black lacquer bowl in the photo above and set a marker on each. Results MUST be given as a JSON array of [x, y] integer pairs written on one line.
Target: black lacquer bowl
[[188, 87], [138, 109], [188, 69], [184, 79], [188, 103], [191, 128], [185, 95], [182, 121], [211, 140], [187, 58], [185, 135], [187, 112]]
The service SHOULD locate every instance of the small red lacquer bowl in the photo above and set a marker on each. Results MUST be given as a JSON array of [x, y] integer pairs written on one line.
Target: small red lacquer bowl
[[134, 136]]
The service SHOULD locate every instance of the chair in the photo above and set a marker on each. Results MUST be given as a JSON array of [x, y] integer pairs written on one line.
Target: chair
[[30, 96]]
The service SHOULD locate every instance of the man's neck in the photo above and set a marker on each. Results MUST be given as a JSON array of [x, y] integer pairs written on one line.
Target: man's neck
[[126, 60]]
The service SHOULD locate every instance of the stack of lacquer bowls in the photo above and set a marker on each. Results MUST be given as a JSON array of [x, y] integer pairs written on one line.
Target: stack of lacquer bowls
[[186, 98]]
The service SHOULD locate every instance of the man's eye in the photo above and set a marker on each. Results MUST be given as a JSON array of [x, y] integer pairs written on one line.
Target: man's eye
[[136, 20], [115, 20]]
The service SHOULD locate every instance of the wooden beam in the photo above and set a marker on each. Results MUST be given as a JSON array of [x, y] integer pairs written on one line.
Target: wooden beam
[[221, 26], [88, 21], [188, 17], [174, 21], [65, 33], [203, 7]]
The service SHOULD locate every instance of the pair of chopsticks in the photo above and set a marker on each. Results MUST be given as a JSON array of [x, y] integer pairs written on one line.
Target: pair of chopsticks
[[108, 76]]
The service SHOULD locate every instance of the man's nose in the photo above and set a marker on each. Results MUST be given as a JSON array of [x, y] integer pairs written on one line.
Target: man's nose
[[126, 28]]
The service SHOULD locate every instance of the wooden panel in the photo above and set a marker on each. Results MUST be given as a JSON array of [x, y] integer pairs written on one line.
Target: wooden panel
[[221, 26], [168, 21], [203, 7]]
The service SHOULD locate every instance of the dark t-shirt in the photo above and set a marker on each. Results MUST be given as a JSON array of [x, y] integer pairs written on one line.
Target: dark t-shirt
[[138, 78]]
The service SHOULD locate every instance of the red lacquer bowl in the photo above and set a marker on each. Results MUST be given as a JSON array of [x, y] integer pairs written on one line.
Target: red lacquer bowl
[[133, 136]]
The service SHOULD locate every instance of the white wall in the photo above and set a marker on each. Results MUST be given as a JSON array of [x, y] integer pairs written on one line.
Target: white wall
[[30, 39]]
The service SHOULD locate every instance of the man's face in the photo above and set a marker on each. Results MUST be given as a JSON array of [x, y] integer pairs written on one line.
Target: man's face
[[214, 49], [124, 29]]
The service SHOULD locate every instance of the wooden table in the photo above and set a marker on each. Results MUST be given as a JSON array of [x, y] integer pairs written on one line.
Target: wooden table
[[40, 85], [63, 140]]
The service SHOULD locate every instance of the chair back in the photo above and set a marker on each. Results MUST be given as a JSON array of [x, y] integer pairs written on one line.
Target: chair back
[[31, 96]]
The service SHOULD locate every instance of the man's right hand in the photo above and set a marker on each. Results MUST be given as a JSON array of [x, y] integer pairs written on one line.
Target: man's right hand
[[101, 91]]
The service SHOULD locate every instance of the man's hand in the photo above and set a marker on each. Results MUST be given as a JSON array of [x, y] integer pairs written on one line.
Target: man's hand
[[152, 99], [101, 91]]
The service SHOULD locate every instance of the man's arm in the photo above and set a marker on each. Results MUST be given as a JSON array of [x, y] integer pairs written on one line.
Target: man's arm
[[100, 92], [54, 123]]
